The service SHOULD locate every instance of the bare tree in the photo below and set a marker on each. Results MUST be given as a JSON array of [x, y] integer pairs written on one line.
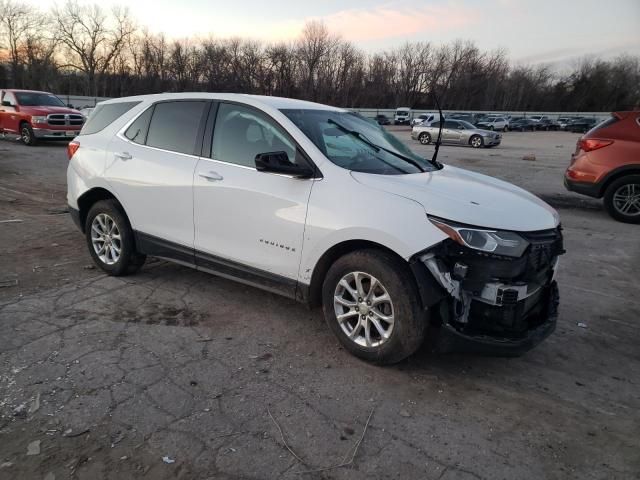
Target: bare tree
[[92, 38]]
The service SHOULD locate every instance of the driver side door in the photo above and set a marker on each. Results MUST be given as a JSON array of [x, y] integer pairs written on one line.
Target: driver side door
[[249, 225]]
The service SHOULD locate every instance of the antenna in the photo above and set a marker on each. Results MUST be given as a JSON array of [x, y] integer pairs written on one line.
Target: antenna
[[434, 160]]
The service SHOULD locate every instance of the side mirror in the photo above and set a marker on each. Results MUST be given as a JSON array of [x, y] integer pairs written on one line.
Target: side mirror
[[70, 106], [6, 103], [278, 162]]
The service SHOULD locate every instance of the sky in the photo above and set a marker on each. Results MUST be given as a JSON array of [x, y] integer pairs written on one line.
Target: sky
[[555, 32]]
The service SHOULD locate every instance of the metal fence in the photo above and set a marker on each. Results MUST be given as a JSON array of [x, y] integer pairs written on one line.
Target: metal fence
[[80, 102]]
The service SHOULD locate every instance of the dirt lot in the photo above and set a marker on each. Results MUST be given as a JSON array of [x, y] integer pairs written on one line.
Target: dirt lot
[[111, 375]]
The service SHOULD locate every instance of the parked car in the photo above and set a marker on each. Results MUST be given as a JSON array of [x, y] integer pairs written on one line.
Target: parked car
[[537, 118], [456, 132], [522, 124], [425, 118], [563, 122], [546, 124], [37, 115], [321, 205], [382, 119], [402, 116], [582, 124], [606, 164], [494, 123]]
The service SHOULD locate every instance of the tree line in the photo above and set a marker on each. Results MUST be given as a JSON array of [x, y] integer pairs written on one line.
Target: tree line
[[76, 49]]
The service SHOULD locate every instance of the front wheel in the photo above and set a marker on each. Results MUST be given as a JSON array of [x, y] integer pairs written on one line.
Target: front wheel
[[622, 199], [370, 303], [424, 138], [476, 141], [110, 239], [26, 135]]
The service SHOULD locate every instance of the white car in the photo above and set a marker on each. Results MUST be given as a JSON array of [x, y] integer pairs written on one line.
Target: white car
[[321, 205], [499, 124]]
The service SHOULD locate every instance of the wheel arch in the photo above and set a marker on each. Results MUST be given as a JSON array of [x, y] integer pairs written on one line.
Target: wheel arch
[[614, 175], [90, 197], [322, 266]]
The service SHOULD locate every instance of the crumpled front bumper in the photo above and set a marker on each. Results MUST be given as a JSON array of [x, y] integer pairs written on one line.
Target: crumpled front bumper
[[490, 304], [450, 339]]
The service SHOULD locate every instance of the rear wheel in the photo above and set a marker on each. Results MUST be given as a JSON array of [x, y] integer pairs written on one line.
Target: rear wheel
[[110, 239], [622, 199], [26, 134], [424, 138], [370, 303], [476, 141]]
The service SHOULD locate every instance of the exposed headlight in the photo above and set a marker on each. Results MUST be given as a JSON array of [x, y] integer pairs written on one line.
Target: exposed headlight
[[39, 119], [485, 240]]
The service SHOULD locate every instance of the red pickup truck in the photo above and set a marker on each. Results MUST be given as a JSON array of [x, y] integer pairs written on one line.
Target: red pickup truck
[[37, 115]]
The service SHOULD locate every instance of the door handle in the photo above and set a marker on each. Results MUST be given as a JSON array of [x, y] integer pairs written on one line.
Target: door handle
[[211, 176], [123, 155]]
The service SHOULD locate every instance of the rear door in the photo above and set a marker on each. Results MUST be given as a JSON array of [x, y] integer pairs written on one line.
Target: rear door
[[249, 224], [151, 164]]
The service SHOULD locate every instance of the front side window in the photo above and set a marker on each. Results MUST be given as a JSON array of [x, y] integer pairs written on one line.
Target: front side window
[[35, 99], [332, 132], [174, 125], [450, 124], [8, 97], [241, 133]]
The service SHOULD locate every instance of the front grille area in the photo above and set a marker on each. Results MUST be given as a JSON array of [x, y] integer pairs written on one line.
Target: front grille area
[[65, 119], [545, 246]]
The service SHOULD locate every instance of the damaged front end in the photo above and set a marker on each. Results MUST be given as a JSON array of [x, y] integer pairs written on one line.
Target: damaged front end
[[496, 294]]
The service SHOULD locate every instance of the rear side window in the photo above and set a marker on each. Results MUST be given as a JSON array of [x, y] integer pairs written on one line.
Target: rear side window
[[137, 131], [105, 115], [174, 126]]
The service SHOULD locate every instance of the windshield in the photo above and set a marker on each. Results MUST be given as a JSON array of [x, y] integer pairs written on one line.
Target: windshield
[[33, 99], [353, 153]]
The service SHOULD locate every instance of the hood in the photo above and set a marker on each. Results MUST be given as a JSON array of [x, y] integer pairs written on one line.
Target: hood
[[43, 110], [467, 197]]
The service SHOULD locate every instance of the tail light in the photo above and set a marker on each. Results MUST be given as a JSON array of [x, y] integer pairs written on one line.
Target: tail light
[[72, 148], [590, 144]]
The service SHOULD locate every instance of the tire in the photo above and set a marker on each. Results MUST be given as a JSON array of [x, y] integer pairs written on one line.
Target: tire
[[424, 138], [505, 129], [100, 216], [476, 141], [26, 135], [614, 199], [404, 336], [492, 128]]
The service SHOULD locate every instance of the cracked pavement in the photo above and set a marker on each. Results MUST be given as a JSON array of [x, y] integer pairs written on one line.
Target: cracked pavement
[[112, 374]]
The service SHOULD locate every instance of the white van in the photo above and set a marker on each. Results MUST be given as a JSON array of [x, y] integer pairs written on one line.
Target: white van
[[402, 116], [425, 118]]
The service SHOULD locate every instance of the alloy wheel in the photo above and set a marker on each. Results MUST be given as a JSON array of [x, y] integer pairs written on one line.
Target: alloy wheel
[[26, 135], [106, 239], [626, 199], [476, 142], [364, 309]]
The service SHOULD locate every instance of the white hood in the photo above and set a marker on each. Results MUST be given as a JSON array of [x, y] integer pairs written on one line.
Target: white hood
[[467, 197]]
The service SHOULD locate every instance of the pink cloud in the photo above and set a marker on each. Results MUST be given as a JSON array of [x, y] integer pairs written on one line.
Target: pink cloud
[[385, 22]]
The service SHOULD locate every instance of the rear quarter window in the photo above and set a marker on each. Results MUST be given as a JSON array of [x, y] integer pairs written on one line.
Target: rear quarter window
[[105, 115]]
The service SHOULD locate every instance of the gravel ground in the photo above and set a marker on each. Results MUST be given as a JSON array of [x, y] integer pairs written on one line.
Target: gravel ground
[[103, 377]]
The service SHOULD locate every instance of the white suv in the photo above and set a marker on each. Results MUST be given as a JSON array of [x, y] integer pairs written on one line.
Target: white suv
[[321, 205]]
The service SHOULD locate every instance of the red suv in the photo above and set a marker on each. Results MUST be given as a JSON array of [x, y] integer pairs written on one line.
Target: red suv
[[606, 164], [34, 115]]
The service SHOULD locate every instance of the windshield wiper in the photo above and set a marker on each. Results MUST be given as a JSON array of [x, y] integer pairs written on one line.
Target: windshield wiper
[[377, 148]]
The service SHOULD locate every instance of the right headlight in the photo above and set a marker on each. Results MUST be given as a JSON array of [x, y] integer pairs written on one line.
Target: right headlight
[[499, 242]]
